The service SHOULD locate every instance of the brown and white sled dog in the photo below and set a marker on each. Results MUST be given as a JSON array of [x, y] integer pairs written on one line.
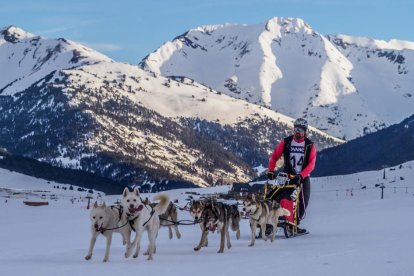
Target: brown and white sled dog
[[143, 218], [105, 220], [168, 218], [220, 216], [262, 213]]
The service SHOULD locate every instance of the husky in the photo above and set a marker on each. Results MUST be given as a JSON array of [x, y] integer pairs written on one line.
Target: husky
[[143, 218], [196, 209], [105, 220], [169, 218], [262, 213], [218, 215]]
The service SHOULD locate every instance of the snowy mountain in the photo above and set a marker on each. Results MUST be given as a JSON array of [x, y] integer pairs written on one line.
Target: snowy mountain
[[70, 106], [346, 86], [29, 58]]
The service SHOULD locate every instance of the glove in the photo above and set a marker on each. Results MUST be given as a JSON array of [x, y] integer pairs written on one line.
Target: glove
[[296, 180], [270, 175]]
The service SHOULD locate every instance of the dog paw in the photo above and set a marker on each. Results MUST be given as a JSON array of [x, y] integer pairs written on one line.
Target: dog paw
[[135, 255], [149, 258], [220, 251], [252, 244], [228, 246], [88, 257], [196, 248], [105, 260], [178, 236], [127, 254]]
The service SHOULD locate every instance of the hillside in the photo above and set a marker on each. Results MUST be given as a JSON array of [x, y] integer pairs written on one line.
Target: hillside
[[385, 148]]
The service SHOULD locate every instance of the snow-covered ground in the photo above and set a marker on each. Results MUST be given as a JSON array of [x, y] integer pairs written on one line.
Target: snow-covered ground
[[352, 232]]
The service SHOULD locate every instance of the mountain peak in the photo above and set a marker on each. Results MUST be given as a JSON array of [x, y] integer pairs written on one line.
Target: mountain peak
[[288, 24], [13, 34], [208, 29]]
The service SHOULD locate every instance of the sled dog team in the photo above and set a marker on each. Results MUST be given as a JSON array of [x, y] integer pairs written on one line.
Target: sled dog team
[[137, 215]]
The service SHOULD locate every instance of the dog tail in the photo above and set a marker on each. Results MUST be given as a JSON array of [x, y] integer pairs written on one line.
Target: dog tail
[[163, 205], [285, 212], [235, 217]]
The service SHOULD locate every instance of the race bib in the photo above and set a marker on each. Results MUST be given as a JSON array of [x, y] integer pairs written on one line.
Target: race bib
[[297, 152]]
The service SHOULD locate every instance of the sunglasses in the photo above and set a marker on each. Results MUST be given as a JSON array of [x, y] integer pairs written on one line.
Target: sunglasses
[[298, 129]]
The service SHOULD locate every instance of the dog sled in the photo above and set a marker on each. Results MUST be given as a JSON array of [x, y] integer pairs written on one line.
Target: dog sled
[[273, 189]]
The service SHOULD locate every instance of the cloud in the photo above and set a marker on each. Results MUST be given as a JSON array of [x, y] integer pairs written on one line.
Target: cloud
[[53, 30], [108, 47]]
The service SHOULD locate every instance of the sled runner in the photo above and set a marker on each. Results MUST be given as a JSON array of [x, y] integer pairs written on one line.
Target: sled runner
[[273, 189]]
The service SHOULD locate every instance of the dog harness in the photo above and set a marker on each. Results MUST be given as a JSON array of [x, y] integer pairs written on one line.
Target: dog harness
[[131, 219]]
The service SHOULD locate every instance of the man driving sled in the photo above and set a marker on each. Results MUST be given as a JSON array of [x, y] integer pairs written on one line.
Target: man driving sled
[[299, 154]]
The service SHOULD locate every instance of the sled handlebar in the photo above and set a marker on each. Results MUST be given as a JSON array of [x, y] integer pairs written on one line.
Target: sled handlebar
[[282, 179]]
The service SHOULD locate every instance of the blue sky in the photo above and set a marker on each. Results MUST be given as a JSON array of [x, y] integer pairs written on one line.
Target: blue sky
[[128, 30]]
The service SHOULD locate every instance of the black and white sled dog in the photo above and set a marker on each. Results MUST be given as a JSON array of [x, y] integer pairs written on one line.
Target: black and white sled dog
[[105, 220], [142, 218], [220, 216], [168, 219], [262, 213]]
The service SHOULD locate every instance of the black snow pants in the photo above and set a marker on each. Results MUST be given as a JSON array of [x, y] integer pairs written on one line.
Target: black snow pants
[[303, 201]]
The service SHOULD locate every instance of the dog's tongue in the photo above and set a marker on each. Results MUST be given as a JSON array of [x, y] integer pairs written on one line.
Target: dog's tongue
[[99, 229], [137, 209]]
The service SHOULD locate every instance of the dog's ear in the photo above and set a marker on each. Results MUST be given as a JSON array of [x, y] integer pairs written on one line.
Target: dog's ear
[[253, 197], [104, 205], [126, 192], [95, 205], [136, 191]]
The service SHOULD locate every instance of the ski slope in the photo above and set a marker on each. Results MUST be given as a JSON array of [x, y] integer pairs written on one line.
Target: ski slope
[[352, 232]]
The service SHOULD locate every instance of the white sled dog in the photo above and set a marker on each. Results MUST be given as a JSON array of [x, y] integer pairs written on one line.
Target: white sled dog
[[262, 213], [143, 218], [105, 220]]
